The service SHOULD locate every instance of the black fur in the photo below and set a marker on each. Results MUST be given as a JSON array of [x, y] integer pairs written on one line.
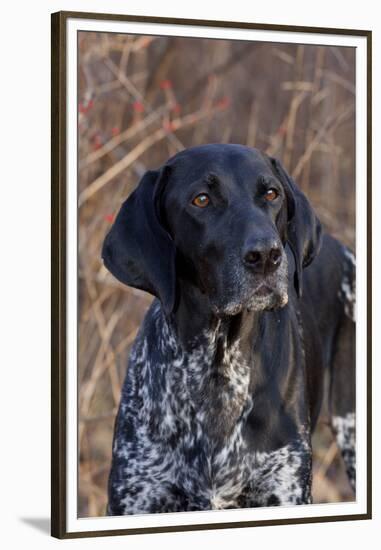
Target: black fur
[[225, 379]]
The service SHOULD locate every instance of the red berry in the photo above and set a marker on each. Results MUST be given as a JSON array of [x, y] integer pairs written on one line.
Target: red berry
[[167, 125], [165, 84], [109, 218], [138, 107], [223, 103], [97, 141], [115, 131]]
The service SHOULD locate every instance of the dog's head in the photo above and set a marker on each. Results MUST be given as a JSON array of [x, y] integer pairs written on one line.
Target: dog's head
[[219, 217]]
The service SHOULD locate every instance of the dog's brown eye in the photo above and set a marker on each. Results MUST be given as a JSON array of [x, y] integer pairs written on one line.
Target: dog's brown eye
[[201, 200], [271, 194]]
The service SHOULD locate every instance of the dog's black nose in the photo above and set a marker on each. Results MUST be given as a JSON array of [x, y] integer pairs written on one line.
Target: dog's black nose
[[262, 257]]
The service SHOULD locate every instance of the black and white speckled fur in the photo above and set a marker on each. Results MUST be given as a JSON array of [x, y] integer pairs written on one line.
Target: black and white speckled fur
[[181, 441], [343, 409], [225, 379], [345, 430]]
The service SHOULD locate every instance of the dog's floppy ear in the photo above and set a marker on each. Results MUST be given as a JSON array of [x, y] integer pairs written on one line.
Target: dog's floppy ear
[[138, 251], [303, 226]]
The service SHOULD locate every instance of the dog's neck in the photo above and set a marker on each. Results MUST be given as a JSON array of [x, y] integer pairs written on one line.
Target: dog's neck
[[194, 319], [215, 357]]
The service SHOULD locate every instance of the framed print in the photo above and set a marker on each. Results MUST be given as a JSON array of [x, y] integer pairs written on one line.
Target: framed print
[[211, 295]]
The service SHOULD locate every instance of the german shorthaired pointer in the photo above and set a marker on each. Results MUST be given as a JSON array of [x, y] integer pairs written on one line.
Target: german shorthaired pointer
[[226, 376]]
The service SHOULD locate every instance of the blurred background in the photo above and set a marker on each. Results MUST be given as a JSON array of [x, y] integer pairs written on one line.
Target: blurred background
[[142, 99]]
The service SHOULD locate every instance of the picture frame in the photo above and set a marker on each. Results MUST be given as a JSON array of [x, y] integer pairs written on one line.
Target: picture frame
[[65, 522]]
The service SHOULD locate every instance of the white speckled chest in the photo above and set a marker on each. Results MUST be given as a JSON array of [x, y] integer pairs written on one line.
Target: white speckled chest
[[176, 412]]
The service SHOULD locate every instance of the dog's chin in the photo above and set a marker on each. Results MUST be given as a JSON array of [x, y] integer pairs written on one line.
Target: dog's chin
[[262, 299], [266, 299]]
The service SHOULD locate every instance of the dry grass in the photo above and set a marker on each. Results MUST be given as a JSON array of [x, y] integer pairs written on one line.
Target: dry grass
[[144, 98]]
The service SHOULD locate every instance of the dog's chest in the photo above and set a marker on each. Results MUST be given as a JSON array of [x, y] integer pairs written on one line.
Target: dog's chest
[[212, 474], [188, 431]]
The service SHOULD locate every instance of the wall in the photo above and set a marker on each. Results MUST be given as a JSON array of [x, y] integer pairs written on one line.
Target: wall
[[24, 299]]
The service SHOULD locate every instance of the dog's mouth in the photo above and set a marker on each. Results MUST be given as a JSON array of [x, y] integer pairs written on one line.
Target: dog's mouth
[[243, 290], [263, 290], [264, 297]]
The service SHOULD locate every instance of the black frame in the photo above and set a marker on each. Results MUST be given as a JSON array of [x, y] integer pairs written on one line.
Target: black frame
[[58, 272]]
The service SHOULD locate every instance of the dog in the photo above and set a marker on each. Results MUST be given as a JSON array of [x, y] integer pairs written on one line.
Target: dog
[[254, 306]]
